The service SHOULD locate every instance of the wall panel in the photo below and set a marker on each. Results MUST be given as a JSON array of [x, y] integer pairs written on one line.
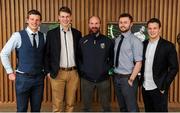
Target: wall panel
[[14, 12]]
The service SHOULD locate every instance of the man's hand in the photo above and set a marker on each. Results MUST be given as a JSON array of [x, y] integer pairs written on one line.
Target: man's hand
[[12, 76], [162, 91], [130, 81], [48, 75]]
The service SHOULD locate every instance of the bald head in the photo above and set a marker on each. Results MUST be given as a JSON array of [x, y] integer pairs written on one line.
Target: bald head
[[94, 17], [94, 24]]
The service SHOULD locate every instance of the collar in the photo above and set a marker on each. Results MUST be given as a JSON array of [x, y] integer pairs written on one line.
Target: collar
[[61, 28], [95, 34], [29, 31], [126, 34], [154, 42]]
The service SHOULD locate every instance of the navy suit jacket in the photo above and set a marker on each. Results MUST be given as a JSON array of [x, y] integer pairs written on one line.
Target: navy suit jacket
[[165, 64], [53, 50]]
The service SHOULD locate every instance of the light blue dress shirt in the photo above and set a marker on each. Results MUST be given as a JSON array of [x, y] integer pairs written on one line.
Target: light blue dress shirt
[[13, 43], [130, 52]]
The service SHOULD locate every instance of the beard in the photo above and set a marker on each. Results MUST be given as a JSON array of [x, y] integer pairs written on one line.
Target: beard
[[94, 30], [124, 29]]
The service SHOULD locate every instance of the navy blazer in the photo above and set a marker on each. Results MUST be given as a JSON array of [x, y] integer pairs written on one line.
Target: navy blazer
[[165, 64], [53, 50]]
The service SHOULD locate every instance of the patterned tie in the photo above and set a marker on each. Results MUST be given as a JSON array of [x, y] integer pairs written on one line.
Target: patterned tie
[[118, 51], [34, 41]]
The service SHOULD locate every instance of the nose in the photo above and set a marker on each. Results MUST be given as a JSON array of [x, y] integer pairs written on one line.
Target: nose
[[35, 21]]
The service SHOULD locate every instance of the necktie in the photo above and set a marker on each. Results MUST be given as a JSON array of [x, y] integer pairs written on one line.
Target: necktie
[[66, 48], [118, 51], [34, 41]]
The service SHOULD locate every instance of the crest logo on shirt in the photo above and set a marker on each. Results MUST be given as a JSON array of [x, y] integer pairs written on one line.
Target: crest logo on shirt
[[102, 45]]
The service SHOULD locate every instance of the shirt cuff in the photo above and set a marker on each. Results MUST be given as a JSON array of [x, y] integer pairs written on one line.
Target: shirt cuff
[[138, 59], [9, 71]]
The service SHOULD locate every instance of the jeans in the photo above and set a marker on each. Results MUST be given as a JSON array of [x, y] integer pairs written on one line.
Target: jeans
[[103, 89], [126, 94], [29, 87]]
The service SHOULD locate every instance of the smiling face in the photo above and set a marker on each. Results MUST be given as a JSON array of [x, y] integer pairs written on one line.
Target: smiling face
[[153, 30], [125, 24], [65, 19], [94, 25], [34, 22]]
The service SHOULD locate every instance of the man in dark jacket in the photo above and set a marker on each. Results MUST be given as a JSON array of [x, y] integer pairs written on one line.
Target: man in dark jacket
[[96, 58], [61, 62], [159, 68]]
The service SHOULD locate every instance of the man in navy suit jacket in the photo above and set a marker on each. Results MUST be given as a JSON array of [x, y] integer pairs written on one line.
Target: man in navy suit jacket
[[61, 62], [159, 68]]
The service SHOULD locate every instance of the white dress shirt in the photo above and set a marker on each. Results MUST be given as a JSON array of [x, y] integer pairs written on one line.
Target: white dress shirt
[[149, 83], [67, 58]]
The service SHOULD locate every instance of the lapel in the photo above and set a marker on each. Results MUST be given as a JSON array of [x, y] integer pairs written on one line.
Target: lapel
[[145, 48], [74, 39], [58, 38]]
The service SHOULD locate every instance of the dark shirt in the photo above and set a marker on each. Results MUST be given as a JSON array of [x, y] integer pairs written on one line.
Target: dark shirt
[[96, 57]]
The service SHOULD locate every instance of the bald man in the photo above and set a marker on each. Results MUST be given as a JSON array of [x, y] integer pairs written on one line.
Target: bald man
[[96, 58]]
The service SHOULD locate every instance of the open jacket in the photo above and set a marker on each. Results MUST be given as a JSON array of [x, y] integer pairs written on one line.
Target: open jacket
[[53, 50], [165, 64]]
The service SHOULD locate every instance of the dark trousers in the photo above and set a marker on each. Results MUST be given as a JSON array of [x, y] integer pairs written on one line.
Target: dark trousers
[[126, 94], [103, 89], [29, 87], [155, 101]]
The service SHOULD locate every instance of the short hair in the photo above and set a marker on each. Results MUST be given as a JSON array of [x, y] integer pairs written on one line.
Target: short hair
[[154, 20], [35, 12], [65, 9], [126, 15]]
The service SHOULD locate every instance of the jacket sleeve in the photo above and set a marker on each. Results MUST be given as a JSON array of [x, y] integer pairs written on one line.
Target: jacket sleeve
[[79, 52], [47, 54], [173, 67]]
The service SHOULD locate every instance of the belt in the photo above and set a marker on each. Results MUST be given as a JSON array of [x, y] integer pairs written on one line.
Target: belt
[[68, 68], [26, 74], [29, 74], [122, 75]]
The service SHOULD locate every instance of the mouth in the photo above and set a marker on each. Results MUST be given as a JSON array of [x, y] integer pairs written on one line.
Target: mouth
[[152, 33], [34, 25], [123, 27], [65, 22], [94, 28]]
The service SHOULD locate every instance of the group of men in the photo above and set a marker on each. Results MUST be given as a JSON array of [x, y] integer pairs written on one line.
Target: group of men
[[64, 56]]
